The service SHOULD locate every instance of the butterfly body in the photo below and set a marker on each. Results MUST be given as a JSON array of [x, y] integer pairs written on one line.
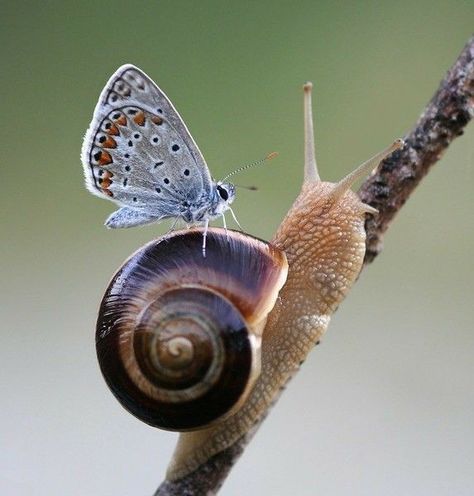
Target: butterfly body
[[138, 153]]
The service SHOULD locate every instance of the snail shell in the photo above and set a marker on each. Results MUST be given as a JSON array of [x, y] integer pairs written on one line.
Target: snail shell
[[178, 334]]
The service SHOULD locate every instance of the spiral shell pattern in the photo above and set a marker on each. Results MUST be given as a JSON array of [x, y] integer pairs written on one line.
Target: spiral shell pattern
[[178, 334]]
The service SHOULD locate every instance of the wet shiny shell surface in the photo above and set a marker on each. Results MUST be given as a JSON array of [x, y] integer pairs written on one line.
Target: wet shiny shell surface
[[174, 338]]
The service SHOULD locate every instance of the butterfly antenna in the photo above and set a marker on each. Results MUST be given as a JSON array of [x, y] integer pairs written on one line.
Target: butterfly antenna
[[270, 156], [250, 188]]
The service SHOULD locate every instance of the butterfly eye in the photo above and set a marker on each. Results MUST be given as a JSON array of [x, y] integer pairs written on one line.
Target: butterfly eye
[[223, 193]]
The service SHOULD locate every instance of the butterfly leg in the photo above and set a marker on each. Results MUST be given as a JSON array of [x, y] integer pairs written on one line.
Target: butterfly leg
[[169, 231], [235, 219], [204, 238], [225, 228]]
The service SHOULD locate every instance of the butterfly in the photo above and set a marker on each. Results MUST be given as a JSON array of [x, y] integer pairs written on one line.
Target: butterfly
[[139, 153]]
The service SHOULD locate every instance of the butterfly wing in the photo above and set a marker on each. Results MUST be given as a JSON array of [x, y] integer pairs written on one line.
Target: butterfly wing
[[138, 151]]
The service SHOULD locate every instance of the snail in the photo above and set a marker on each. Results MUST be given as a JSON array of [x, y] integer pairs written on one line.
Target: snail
[[178, 335], [204, 345]]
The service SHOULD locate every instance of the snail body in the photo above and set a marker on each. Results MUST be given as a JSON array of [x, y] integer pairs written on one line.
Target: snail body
[[323, 239]]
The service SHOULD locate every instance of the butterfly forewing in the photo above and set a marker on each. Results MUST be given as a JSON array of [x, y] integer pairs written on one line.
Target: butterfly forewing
[[138, 151]]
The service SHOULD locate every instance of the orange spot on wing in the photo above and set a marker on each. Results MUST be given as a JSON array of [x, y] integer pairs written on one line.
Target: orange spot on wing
[[105, 158], [122, 120], [107, 192], [157, 120], [109, 143], [140, 119], [105, 183], [113, 130]]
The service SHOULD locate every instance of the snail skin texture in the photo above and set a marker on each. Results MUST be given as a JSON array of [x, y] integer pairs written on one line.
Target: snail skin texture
[[322, 239]]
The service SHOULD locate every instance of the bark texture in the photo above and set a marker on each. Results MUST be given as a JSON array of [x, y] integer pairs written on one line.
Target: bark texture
[[443, 119]]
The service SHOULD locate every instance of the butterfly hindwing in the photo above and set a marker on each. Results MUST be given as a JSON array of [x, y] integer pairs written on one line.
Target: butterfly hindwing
[[129, 217]]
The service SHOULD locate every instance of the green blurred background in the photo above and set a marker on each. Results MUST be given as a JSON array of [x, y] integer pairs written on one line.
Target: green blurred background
[[385, 405]]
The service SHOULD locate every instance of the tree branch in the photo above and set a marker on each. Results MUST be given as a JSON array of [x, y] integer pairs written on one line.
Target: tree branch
[[443, 119]]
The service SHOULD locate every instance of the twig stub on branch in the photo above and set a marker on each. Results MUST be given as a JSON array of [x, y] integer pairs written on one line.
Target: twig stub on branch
[[444, 118]]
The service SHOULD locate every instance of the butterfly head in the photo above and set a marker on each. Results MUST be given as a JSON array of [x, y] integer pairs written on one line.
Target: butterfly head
[[225, 193]]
